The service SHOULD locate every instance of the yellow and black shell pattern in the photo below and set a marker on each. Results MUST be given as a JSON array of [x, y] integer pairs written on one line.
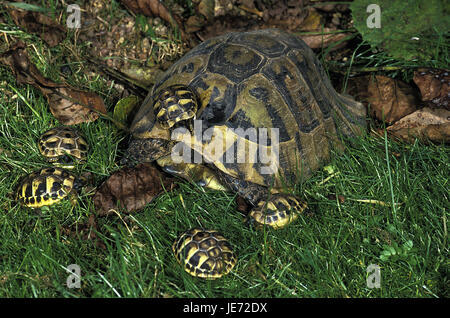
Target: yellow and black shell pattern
[[175, 104], [277, 212], [63, 145], [45, 187], [262, 79], [204, 253]]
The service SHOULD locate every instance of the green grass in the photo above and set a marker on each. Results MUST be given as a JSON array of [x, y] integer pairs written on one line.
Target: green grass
[[325, 253]]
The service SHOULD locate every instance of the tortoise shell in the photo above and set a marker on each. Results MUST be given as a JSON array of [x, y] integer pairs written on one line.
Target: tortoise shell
[[278, 212], [254, 81], [45, 187], [204, 253], [173, 105], [62, 145]]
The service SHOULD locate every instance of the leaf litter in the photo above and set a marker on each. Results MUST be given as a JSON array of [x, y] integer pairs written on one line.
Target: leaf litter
[[131, 189], [69, 105]]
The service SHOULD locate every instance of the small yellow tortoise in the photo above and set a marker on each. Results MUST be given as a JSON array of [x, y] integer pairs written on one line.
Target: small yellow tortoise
[[63, 146], [47, 186], [204, 253], [251, 112]]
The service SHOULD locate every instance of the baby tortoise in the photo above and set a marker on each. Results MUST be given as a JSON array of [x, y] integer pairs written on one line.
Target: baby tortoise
[[47, 186], [204, 253], [63, 146]]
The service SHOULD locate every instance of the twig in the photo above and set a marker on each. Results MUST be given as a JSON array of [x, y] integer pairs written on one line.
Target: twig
[[370, 201]]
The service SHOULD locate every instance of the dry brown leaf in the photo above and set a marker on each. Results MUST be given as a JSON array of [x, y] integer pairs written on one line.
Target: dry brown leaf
[[248, 15], [324, 38], [226, 25], [154, 8], [69, 105], [434, 85], [148, 8], [312, 22], [194, 23], [389, 99], [326, 7], [425, 124], [242, 205], [38, 23], [26, 72], [287, 15], [205, 14], [131, 189], [206, 9]]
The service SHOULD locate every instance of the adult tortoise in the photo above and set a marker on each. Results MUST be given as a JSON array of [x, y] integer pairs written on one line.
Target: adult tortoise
[[251, 112]]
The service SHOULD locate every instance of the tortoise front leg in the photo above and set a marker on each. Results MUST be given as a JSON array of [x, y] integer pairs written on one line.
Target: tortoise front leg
[[193, 172]]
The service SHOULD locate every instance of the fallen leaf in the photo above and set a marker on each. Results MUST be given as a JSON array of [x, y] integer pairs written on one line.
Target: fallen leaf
[[69, 105], [242, 205], [206, 9], [154, 8], [339, 197], [389, 99], [425, 124], [25, 72], [248, 15], [194, 23], [249, 6], [324, 38], [125, 107], [72, 106], [434, 86], [38, 23], [326, 7], [224, 25], [312, 22], [130, 189], [288, 15], [142, 75]]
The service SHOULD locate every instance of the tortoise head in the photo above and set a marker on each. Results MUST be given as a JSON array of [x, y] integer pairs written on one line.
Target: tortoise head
[[158, 115], [146, 150]]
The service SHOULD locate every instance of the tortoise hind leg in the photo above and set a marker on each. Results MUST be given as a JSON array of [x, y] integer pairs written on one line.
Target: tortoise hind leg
[[276, 210]]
